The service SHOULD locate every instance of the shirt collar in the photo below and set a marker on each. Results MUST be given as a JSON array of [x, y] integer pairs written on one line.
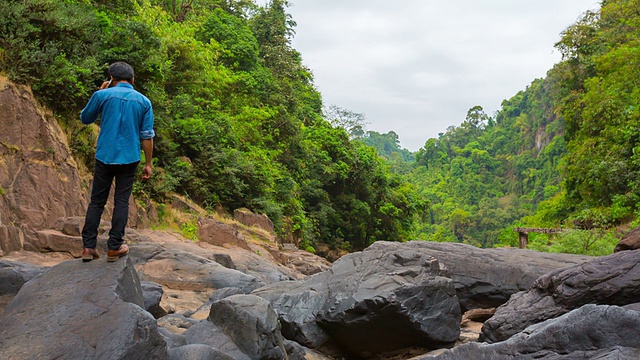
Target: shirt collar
[[124, 84]]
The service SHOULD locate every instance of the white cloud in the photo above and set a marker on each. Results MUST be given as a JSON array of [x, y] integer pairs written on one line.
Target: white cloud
[[417, 66]]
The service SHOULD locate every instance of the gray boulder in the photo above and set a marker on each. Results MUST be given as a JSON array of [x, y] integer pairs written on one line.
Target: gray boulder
[[182, 270], [12, 276], [173, 340], [81, 310], [152, 294], [296, 351], [197, 352], [297, 304], [249, 263], [205, 308], [590, 332], [384, 298], [242, 326], [486, 278], [142, 252], [252, 324], [608, 280], [176, 323], [207, 333]]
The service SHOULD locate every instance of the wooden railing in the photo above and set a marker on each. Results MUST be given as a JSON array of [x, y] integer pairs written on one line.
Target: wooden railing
[[523, 234]]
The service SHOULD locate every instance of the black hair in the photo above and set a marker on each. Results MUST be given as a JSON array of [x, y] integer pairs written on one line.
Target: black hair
[[121, 71]]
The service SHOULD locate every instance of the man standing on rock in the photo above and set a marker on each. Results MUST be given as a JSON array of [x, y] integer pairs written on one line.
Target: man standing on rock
[[126, 124]]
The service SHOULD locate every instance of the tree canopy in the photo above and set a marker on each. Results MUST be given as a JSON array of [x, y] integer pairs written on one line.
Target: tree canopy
[[239, 122]]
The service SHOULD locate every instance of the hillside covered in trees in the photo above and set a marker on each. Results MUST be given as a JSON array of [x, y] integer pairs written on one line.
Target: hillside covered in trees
[[238, 120], [239, 123], [561, 153]]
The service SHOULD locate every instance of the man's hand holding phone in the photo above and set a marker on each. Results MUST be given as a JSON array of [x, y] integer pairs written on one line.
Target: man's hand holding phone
[[106, 84]]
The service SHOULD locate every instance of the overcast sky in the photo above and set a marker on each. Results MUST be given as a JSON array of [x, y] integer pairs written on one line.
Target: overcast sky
[[417, 66]]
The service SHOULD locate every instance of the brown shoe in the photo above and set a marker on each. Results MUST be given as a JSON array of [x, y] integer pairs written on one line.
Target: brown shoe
[[113, 255], [89, 254]]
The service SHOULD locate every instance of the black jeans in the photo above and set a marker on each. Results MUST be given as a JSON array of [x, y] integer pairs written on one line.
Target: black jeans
[[103, 176]]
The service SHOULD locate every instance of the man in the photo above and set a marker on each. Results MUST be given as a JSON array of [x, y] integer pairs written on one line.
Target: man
[[126, 124]]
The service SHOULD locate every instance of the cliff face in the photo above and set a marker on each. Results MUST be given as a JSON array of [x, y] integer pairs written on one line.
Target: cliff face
[[39, 179]]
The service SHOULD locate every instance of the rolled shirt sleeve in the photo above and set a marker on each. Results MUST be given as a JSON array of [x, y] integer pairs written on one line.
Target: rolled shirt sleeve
[[146, 130]]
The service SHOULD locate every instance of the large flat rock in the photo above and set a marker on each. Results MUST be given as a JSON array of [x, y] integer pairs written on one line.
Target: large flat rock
[[486, 278], [79, 310], [590, 332], [384, 298], [608, 280]]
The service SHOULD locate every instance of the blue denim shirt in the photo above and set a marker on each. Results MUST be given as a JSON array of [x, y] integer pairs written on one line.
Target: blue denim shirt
[[126, 117]]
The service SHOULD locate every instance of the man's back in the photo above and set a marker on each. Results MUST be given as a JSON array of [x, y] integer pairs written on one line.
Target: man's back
[[127, 116]]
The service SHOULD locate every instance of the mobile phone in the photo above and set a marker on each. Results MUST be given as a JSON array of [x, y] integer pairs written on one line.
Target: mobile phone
[[109, 82]]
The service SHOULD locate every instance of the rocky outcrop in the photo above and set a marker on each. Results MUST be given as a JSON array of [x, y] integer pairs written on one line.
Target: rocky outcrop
[[304, 262], [176, 323], [79, 310], [609, 280], [66, 237], [242, 326], [11, 238], [13, 275], [183, 270], [630, 241], [590, 332], [248, 218], [486, 278], [151, 296], [197, 352], [381, 299], [392, 300], [216, 233], [256, 263], [39, 180], [296, 351], [260, 338]]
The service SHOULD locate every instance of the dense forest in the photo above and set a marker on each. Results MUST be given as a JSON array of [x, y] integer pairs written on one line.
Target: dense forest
[[239, 123], [560, 154]]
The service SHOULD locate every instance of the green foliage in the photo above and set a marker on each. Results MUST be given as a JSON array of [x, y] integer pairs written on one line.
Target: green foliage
[[51, 46], [602, 115], [190, 230], [388, 146], [482, 176], [240, 47], [162, 212], [353, 122], [583, 242], [239, 122], [561, 153]]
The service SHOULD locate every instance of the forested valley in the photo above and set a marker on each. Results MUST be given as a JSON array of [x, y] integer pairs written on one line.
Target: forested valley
[[240, 123]]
